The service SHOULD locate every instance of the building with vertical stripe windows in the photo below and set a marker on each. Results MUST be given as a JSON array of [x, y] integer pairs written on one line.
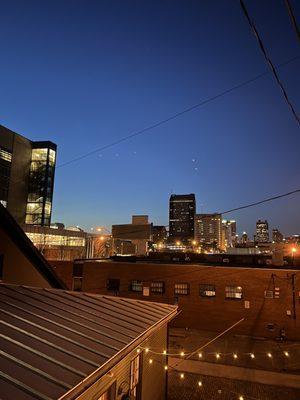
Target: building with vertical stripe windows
[[26, 177]]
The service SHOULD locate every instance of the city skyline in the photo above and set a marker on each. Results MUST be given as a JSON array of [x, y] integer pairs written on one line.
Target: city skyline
[[112, 73]]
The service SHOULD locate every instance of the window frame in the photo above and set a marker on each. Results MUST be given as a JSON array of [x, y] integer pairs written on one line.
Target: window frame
[[135, 283], [202, 290], [179, 291], [155, 289], [231, 291]]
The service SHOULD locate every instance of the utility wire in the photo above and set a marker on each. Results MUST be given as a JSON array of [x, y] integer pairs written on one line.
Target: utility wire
[[293, 18], [174, 116], [262, 201], [269, 61]]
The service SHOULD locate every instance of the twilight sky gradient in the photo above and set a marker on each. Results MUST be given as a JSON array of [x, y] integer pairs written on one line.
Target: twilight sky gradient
[[86, 73]]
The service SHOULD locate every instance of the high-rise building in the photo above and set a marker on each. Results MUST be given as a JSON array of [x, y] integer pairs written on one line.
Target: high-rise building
[[262, 231], [208, 230], [244, 238], [277, 236], [26, 177], [228, 233], [181, 217]]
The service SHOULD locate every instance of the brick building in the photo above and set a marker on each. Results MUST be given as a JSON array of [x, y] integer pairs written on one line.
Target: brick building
[[209, 297]]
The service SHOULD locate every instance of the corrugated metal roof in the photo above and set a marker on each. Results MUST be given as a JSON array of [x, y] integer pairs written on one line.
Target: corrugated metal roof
[[50, 340]]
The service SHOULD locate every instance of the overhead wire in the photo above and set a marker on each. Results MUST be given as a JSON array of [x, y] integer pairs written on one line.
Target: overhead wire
[[293, 18], [269, 61]]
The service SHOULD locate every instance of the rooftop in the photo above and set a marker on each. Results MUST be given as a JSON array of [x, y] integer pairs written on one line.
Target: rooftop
[[52, 340]]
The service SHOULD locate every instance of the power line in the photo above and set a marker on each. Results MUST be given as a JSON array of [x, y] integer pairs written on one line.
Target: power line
[[293, 18], [174, 116], [261, 201], [269, 61]]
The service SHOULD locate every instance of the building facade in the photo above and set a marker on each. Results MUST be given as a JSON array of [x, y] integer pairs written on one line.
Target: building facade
[[209, 297], [26, 177], [228, 233], [208, 230], [134, 238], [277, 236], [182, 211], [262, 231]]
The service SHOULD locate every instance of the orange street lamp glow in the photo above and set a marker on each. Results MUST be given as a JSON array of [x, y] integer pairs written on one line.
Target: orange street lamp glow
[[194, 242], [178, 243], [294, 249]]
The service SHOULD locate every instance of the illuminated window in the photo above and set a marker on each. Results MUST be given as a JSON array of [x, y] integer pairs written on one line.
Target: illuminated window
[[157, 287], [136, 286], [39, 154], [5, 155], [135, 377], [269, 294], [182, 288], [51, 156], [207, 290], [233, 292]]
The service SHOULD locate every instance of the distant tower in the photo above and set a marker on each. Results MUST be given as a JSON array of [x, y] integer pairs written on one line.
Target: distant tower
[[262, 231], [277, 236], [181, 217]]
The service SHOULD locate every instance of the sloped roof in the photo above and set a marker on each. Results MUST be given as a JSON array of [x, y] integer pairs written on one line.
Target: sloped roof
[[24, 244], [50, 340]]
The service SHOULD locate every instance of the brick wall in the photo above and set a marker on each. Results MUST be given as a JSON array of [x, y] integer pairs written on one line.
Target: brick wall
[[211, 314]]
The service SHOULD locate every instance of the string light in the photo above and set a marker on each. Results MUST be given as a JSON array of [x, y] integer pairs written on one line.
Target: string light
[[181, 375], [199, 383], [165, 352], [235, 356], [241, 398], [166, 367], [252, 355], [150, 361], [182, 354], [146, 350], [138, 350], [269, 355], [218, 355], [200, 355]]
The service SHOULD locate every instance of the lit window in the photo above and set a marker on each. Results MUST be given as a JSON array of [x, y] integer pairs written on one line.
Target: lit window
[[3, 202], [39, 154], [207, 290], [269, 294], [5, 155], [136, 286], [182, 288], [52, 156], [233, 292], [158, 287]]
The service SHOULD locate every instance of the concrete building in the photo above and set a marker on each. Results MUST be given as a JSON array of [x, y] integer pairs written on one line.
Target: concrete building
[[26, 177], [208, 231], [132, 238], [182, 209], [262, 232]]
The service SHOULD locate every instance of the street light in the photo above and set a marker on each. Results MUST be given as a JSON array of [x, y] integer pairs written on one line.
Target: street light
[[178, 243], [293, 253]]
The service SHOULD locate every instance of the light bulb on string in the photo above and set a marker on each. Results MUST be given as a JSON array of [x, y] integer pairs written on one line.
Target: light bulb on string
[[200, 355], [286, 353], [181, 376], [165, 352], [150, 361], [182, 354], [199, 383], [235, 356], [269, 355], [166, 367], [218, 355], [146, 350], [252, 355]]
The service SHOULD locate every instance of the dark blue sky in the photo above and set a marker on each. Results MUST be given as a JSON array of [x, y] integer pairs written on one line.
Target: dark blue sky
[[86, 73]]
